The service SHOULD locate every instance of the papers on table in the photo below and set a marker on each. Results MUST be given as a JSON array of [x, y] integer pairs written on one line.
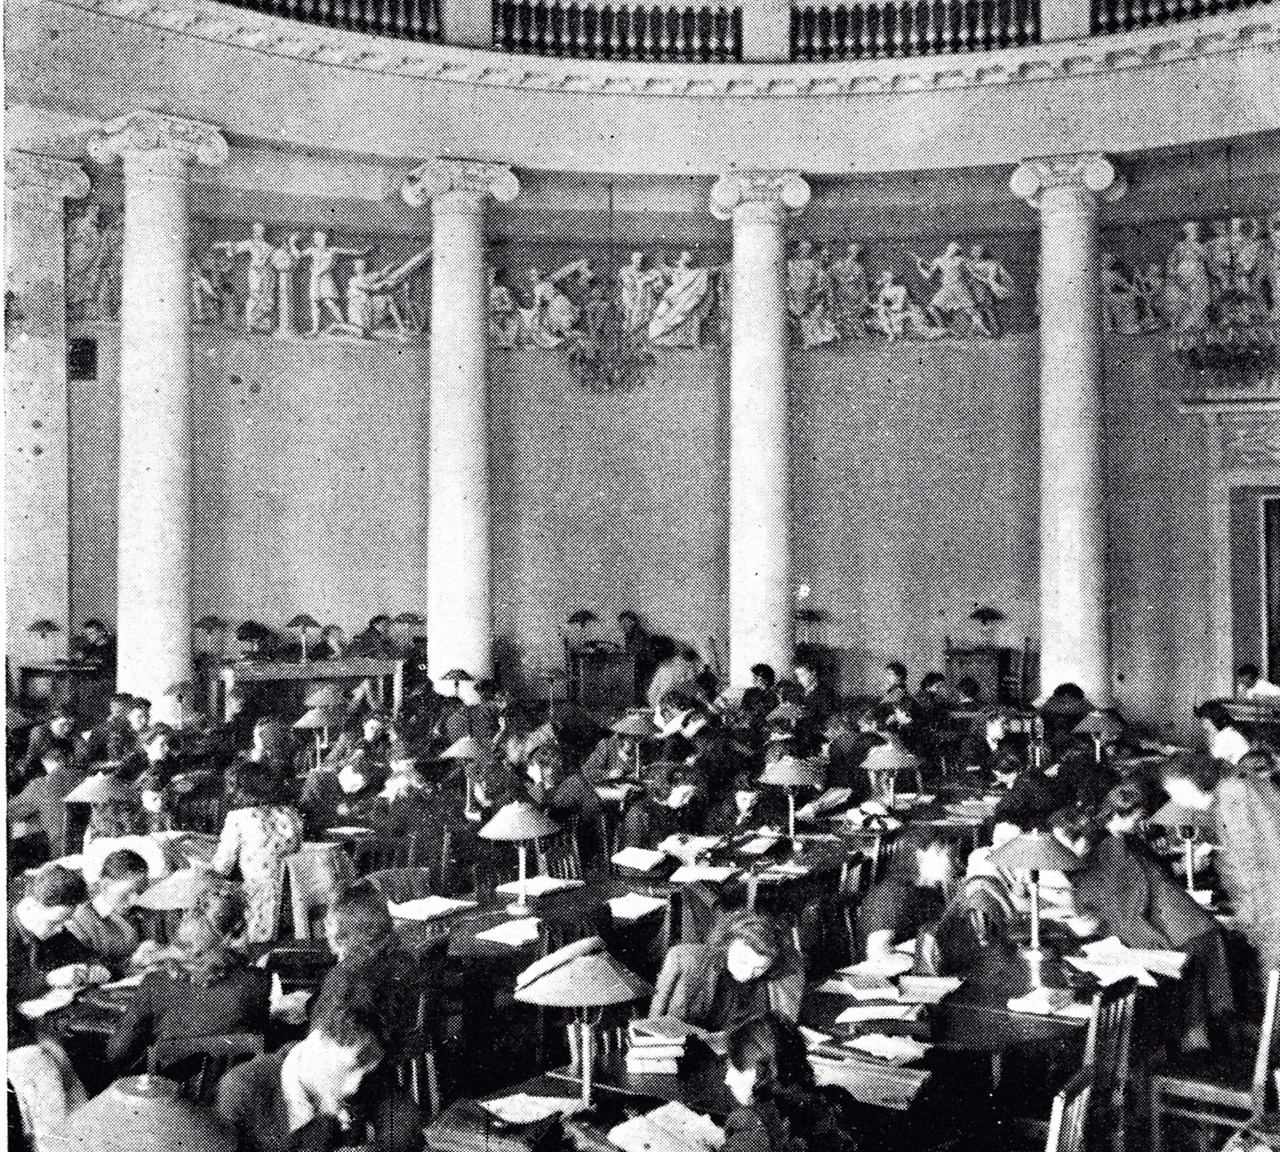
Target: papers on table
[[77, 976], [51, 1001], [616, 793], [1158, 961], [428, 908], [671, 1128], [349, 830], [704, 873], [927, 989], [1050, 1002], [650, 1055], [633, 906], [638, 859], [812, 1037], [860, 988], [516, 933], [759, 845], [867, 1081], [538, 886], [687, 849], [125, 982], [661, 1029], [891, 1049], [1110, 973], [886, 966], [521, 1108], [830, 801], [863, 1013]]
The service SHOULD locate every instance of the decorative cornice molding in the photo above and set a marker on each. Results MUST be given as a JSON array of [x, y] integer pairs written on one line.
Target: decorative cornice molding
[[27, 173], [1090, 176], [158, 136], [769, 194], [1251, 28], [460, 184]]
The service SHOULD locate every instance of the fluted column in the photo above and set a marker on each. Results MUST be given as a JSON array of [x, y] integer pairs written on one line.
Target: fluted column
[[154, 582], [761, 597], [37, 515], [1074, 643], [459, 577]]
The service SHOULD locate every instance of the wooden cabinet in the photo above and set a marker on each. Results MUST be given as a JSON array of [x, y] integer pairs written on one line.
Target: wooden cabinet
[[1001, 673]]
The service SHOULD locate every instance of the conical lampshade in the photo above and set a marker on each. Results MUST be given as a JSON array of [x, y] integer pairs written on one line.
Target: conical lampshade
[[180, 890], [101, 788], [638, 724], [457, 674], [1040, 851], [314, 719], [43, 628], [1100, 724], [140, 1112], [326, 696], [1175, 815], [410, 618], [152, 851], [210, 624], [792, 772], [303, 620], [580, 975], [468, 748], [582, 617], [517, 822], [890, 757]]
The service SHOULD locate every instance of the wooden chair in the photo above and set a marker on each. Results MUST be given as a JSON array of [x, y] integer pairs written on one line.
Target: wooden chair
[[1070, 1112], [202, 1060], [381, 855], [1106, 1059], [309, 879], [1221, 1097], [559, 856], [397, 885]]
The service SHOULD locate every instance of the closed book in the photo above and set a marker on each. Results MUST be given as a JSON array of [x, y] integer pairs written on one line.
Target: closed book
[[653, 1067]]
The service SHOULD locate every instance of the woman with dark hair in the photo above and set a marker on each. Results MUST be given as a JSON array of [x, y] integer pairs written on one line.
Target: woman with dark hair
[[40, 922], [747, 967], [259, 832], [102, 921], [205, 988], [779, 1108], [914, 892]]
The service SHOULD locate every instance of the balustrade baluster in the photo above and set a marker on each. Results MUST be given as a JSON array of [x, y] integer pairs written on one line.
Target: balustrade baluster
[[378, 17], [969, 12], [822, 33], [686, 34], [1128, 15], [640, 33], [719, 34], [875, 45], [656, 33], [920, 25], [622, 33], [889, 22], [671, 34], [811, 33], [955, 24], [733, 46], [604, 35], [987, 30], [840, 32], [555, 28], [702, 34]]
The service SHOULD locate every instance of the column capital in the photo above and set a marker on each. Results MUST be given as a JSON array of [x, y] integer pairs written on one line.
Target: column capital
[[28, 173], [759, 195], [162, 141], [459, 185], [1089, 176]]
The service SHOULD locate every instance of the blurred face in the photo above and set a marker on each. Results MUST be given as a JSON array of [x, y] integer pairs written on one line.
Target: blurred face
[[744, 963], [158, 749], [890, 680], [744, 798], [118, 895], [806, 677], [935, 866], [351, 779], [60, 726], [139, 718], [997, 729], [52, 763], [373, 729], [742, 1083]]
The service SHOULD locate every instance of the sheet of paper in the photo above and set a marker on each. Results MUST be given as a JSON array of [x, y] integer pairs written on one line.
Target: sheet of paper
[[51, 1001], [633, 906], [125, 982], [349, 830], [1109, 973], [886, 967], [758, 845], [927, 989], [639, 859], [706, 873], [893, 1049], [688, 848], [785, 869], [538, 886], [859, 990], [831, 800], [522, 1108], [428, 908], [862, 1013], [516, 933]]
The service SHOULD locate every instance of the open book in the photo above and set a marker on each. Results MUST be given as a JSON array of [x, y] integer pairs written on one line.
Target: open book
[[671, 1128]]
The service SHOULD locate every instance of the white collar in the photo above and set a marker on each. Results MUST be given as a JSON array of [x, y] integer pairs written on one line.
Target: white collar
[[297, 1099]]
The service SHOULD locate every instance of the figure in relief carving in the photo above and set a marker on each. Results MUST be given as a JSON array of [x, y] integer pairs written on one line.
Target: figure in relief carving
[[1150, 287], [1269, 268], [322, 287], [1120, 298], [686, 302], [990, 283], [552, 316], [371, 297], [1246, 256], [260, 305], [84, 263], [896, 314], [851, 292], [504, 316], [954, 297], [808, 298], [640, 289], [1188, 286]]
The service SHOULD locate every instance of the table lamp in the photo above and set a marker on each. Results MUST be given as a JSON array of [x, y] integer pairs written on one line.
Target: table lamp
[[1102, 726], [1036, 852], [180, 692], [141, 1112], [884, 762], [1191, 823], [411, 622], [583, 977], [302, 623], [457, 675], [326, 696], [639, 724], [317, 720], [102, 788], [470, 751], [518, 823], [790, 772]]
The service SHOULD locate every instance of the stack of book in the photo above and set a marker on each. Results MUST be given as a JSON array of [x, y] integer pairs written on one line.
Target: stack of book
[[654, 1050]]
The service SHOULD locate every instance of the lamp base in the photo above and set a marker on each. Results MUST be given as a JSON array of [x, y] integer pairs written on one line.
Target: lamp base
[[518, 909], [1043, 967]]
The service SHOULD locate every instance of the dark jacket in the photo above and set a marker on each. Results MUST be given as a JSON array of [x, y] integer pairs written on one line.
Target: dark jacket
[[790, 1120], [41, 741], [41, 803]]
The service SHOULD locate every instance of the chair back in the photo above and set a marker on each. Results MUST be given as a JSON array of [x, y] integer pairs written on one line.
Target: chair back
[[1069, 1113], [382, 854], [883, 850], [310, 878], [1106, 1058], [299, 967], [398, 885], [201, 1061], [1266, 1044], [558, 855], [201, 810]]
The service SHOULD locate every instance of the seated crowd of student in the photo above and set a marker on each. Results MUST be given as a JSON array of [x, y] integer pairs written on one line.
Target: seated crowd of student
[[696, 769]]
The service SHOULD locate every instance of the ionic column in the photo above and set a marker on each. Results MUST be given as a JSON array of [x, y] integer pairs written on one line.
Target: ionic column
[[154, 582], [37, 515], [1073, 516], [761, 597], [459, 597]]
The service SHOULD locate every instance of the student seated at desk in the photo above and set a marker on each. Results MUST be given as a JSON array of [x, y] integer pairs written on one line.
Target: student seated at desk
[[913, 892], [102, 922], [371, 742], [303, 1098], [40, 926], [40, 803], [746, 968], [113, 739], [747, 805], [153, 771], [1027, 796], [780, 1109], [204, 988], [987, 739], [762, 697], [56, 732], [406, 805], [562, 793], [375, 641]]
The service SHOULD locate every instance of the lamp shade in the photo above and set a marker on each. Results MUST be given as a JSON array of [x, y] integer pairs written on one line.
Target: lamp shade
[[180, 890], [792, 772], [890, 757], [140, 1112], [468, 748], [580, 975], [1175, 815], [582, 617], [43, 628], [457, 675], [1100, 724], [1040, 851], [210, 624], [302, 620], [180, 689], [326, 696], [638, 724], [517, 822], [412, 619], [314, 719], [151, 851], [786, 713], [102, 788]]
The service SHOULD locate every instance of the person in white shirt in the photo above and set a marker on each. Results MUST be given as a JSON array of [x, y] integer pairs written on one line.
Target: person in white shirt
[[1226, 741], [1251, 686]]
